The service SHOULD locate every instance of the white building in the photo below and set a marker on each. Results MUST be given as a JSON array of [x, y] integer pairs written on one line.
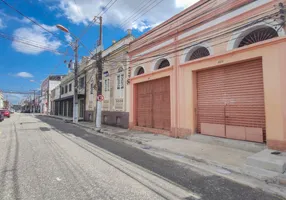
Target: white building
[[115, 109], [1, 99], [47, 86]]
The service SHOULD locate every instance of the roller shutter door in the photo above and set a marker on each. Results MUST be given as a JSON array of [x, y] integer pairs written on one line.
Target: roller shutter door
[[231, 101], [153, 104]]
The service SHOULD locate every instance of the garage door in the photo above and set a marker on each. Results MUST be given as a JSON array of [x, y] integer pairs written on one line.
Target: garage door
[[153, 104], [231, 101]]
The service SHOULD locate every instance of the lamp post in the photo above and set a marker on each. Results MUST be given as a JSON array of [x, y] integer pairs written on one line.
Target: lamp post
[[75, 96]]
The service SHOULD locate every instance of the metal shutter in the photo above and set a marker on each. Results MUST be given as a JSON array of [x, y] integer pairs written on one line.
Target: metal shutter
[[161, 113], [144, 104], [153, 104], [231, 101]]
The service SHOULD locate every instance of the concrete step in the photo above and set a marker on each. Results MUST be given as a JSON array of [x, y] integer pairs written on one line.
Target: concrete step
[[261, 174], [267, 161], [237, 144]]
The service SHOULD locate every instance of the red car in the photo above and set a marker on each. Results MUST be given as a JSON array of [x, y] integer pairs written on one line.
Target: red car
[[6, 113]]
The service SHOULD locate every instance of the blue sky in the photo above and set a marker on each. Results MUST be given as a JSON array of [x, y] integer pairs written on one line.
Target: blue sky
[[21, 63]]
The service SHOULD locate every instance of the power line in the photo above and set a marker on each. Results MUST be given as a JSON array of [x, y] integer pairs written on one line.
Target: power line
[[33, 21], [164, 55], [84, 31], [198, 15], [146, 11], [29, 44], [27, 40], [105, 10], [58, 64], [77, 7], [36, 23], [135, 13], [209, 37]]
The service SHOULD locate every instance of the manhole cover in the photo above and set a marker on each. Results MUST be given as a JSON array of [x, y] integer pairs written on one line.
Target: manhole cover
[[44, 129]]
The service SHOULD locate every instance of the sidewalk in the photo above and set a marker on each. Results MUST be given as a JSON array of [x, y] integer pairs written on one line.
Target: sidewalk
[[221, 158], [212, 154]]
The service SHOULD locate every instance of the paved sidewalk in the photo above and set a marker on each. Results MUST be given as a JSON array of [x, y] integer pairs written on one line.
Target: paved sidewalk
[[224, 159], [212, 154]]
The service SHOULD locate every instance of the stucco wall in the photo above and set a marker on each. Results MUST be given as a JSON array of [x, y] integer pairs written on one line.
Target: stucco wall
[[223, 51]]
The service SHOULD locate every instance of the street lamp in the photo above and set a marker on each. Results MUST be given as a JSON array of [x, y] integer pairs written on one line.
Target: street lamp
[[75, 49]]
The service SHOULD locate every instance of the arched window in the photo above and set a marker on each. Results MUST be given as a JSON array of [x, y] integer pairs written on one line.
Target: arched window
[[164, 63], [139, 71], [198, 53], [258, 35]]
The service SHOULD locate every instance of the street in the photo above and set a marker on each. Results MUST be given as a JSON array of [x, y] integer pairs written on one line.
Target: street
[[46, 158]]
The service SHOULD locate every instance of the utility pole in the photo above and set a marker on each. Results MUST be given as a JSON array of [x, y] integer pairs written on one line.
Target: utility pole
[[75, 97], [99, 78]]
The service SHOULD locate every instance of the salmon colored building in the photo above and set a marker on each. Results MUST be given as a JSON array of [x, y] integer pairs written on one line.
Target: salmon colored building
[[217, 68]]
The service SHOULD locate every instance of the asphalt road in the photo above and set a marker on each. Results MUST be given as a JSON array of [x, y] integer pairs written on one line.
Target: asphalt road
[[45, 158]]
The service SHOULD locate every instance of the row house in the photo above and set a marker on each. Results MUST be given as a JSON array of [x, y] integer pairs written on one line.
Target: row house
[[217, 68], [47, 86], [63, 94], [91, 90], [115, 109]]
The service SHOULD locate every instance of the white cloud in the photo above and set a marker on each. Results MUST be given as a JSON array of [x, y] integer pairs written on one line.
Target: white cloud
[[24, 75], [85, 10], [68, 38], [185, 3], [38, 37]]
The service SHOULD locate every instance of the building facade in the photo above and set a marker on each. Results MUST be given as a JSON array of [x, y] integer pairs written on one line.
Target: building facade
[[115, 109], [62, 95], [91, 90], [46, 87], [1, 100], [215, 69]]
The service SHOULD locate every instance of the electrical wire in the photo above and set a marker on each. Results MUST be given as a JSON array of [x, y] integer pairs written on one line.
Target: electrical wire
[[165, 54], [209, 37], [26, 40], [36, 23], [57, 65], [135, 11], [84, 31], [198, 15], [214, 10], [33, 21], [225, 41], [146, 11], [105, 10], [29, 44], [77, 7]]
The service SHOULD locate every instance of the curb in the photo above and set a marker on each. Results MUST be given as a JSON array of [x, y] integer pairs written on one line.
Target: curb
[[235, 170]]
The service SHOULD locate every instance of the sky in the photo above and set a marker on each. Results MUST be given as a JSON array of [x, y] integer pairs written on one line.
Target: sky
[[29, 54]]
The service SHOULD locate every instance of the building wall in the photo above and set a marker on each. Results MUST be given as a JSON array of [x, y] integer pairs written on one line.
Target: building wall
[[1, 99], [114, 107], [90, 103], [183, 38]]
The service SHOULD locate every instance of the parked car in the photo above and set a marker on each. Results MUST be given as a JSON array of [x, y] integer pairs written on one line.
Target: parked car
[[6, 113], [1, 116]]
